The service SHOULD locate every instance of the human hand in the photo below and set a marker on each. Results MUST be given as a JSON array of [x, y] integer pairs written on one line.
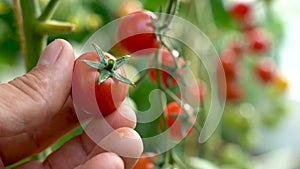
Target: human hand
[[36, 111]]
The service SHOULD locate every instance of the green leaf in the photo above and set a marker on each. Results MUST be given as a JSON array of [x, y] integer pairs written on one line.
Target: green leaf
[[122, 78], [221, 16], [92, 64], [121, 61], [104, 74], [103, 59]]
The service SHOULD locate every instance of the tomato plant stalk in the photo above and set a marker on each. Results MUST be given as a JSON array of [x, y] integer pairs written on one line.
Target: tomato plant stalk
[[34, 28]]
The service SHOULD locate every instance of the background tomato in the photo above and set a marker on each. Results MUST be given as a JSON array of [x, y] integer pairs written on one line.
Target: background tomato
[[176, 124], [137, 34], [229, 62], [258, 40], [235, 47], [234, 91], [281, 82], [265, 70], [91, 97], [145, 162], [166, 60], [240, 10]]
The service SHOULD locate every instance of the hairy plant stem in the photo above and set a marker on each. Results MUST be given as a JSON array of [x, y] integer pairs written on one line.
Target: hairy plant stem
[[35, 27], [32, 42]]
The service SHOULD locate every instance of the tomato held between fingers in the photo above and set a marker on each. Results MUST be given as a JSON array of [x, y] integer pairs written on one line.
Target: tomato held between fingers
[[91, 97], [137, 33], [168, 78]]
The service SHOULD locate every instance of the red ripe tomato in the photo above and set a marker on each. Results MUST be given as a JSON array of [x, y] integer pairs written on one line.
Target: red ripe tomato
[[265, 70], [175, 125], [229, 62], [137, 34], [258, 41], [234, 90], [240, 10], [145, 162], [91, 97], [167, 60], [235, 47]]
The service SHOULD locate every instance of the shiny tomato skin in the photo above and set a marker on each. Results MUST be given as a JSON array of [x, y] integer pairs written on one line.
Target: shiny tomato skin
[[168, 60], [91, 97], [137, 34], [145, 162], [176, 125]]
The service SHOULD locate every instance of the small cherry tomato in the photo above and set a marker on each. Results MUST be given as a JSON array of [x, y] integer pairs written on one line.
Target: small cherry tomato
[[281, 82], [229, 62], [91, 97], [174, 115], [240, 10], [258, 40], [137, 34], [265, 70], [145, 162], [234, 91], [167, 59], [235, 47]]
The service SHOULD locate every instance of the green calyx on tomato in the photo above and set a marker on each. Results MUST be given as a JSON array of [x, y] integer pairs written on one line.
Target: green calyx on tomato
[[108, 67]]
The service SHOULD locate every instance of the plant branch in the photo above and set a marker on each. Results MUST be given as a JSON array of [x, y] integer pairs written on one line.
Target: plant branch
[[49, 10], [33, 43], [19, 19], [171, 11], [170, 6], [53, 27]]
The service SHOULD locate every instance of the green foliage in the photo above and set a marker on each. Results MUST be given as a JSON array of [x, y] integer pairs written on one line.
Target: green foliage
[[9, 41], [220, 14]]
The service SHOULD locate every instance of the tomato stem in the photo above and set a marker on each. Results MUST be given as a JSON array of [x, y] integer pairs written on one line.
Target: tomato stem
[[49, 10], [108, 67]]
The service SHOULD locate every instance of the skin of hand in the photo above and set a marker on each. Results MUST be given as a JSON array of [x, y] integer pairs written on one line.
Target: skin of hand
[[36, 111]]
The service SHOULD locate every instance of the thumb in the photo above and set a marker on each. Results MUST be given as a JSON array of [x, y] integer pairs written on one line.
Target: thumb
[[35, 97]]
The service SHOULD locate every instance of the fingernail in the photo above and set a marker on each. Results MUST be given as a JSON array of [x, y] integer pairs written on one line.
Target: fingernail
[[51, 53]]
